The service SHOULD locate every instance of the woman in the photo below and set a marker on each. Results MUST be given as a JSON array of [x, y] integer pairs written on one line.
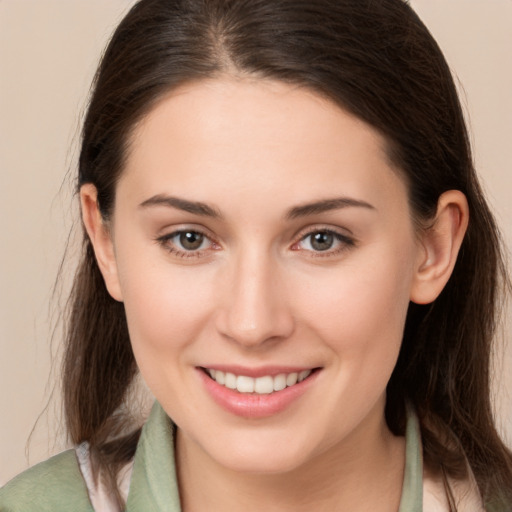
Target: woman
[[286, 237]]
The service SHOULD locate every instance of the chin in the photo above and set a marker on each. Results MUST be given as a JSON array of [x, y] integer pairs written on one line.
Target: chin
[[261, 453], [263, 463]]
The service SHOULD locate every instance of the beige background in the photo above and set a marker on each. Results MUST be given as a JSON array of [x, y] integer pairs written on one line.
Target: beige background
[[48, 53]]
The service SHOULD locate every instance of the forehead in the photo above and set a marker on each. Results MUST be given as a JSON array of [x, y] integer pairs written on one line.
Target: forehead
[[247, 134]]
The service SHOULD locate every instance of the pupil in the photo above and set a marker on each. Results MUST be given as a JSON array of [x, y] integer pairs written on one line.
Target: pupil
[[322, 241], [191, 240]]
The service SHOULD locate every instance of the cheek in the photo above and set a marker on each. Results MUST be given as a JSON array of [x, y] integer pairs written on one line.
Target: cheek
[[360, 310], [166, 309]]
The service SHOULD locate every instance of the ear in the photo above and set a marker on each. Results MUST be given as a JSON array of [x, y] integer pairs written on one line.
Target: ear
[[440, 244], [101, 239]]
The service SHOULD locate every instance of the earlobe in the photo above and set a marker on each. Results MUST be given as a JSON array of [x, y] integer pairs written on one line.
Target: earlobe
[[440, 244], [101, 239]]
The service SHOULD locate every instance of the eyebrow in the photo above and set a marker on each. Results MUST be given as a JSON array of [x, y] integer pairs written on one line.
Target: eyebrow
[[326, 205], [204, 210], [194, 207]]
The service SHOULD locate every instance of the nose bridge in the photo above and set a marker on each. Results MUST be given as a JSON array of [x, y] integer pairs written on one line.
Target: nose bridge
[[256, 309]]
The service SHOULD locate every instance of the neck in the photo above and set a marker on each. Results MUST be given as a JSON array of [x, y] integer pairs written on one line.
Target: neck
[[362, 473]]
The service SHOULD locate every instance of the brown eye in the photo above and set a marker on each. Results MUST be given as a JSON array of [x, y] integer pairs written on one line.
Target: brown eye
[[191, 240], [326, 241], [185, 243], [322, 241]]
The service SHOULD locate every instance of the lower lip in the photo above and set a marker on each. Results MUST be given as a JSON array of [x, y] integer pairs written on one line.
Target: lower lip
[[251, 405]]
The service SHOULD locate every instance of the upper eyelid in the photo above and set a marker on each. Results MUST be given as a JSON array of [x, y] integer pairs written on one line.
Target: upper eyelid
[[169, 233], [343, 232]]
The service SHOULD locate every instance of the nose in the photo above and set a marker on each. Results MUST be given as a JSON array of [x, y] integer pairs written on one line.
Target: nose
[[255, 309]]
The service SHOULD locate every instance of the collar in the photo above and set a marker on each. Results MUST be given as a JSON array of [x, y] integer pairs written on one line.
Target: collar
[[412, 488], [154, 485]]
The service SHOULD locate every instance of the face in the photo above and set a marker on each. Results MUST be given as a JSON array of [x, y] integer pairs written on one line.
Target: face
[[263, 242]]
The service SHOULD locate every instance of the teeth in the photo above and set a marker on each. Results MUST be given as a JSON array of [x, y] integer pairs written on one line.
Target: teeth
[[229, 380], [264, 385], [279, 382], [291, 379], [261, 385], [244, 384], [220, 377], [303, 375]]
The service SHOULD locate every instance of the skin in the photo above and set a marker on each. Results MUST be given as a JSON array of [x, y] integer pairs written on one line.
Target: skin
[[258, 293]]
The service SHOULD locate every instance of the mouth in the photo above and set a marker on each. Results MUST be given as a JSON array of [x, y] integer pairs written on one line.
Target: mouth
[[263, 385], [257, 393]]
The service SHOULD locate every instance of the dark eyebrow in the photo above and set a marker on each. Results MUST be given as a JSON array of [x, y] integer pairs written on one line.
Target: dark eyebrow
[[194, 207], [326, 205]]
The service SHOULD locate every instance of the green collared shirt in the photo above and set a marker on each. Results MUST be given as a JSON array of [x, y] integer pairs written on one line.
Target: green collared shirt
[[57, 484]]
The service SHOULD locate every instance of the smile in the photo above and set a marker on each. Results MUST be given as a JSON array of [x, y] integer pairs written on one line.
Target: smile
[[264, 385]]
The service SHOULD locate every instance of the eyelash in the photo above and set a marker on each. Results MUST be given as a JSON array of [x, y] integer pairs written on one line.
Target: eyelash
[[345, 242], [165, 242]]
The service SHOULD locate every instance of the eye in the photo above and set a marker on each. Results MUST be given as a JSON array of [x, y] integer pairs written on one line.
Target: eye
[[321, 241], [189, 240], [187, 243], [324, 241]]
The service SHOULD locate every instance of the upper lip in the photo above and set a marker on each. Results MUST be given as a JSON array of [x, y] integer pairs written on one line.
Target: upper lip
[[256, 372]]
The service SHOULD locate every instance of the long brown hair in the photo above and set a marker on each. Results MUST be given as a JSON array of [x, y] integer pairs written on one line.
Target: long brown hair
[[377, 60]]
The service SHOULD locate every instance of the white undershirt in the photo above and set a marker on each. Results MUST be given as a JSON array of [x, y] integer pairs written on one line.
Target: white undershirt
[[98, 495]]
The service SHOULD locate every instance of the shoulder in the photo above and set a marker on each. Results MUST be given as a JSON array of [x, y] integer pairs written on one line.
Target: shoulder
[[53, 485]]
